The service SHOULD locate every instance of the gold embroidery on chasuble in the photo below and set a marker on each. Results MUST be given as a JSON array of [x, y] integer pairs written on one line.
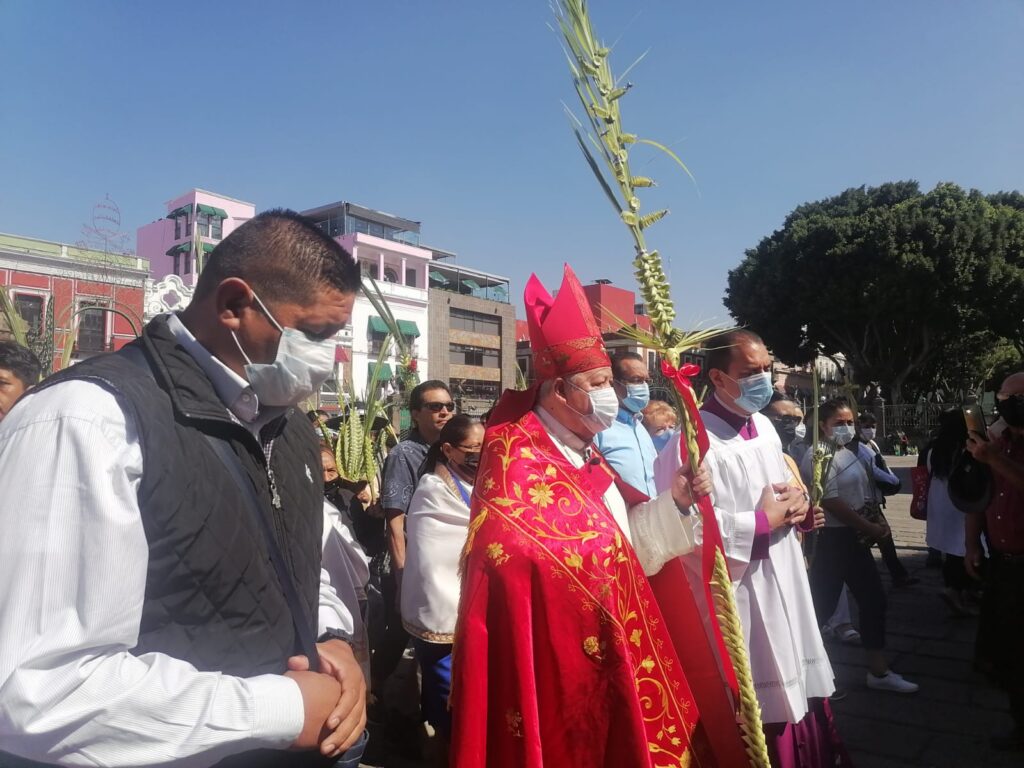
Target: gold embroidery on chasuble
[[547, 509]]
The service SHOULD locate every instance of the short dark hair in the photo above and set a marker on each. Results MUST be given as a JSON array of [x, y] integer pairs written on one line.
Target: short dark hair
[[720, 347], [416, 396], [621, 357], [21, 362], [867, 417], [284, 257], [779, 397]]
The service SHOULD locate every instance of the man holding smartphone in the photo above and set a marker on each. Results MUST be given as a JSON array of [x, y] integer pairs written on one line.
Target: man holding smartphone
[[1002, 611]]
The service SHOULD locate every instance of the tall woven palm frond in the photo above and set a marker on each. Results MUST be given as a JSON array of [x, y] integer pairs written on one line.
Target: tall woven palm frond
[[606, 148]]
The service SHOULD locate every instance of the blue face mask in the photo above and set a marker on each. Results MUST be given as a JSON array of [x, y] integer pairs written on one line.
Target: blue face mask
[[637, 397], [755, 392], [660, 441]]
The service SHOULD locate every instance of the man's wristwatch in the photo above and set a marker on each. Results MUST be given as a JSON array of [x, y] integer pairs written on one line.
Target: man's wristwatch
[[332, 633]]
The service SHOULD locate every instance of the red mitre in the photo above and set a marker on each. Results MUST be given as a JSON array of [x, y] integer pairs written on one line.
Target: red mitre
[[563, 333], [565, 340]]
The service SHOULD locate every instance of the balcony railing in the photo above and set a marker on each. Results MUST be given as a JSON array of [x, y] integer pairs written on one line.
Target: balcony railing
[[465, 285]]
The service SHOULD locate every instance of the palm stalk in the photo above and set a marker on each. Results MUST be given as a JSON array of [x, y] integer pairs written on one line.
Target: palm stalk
[[822, 454], [43, 346], [521, 382], [605, 144], [355, 450], [823, 451], [407, 374], [197, 249]]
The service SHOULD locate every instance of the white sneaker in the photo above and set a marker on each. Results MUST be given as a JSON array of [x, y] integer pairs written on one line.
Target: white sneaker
[[892, 682]]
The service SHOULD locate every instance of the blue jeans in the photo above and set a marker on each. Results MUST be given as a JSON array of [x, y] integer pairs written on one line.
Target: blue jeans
[[436, 667]]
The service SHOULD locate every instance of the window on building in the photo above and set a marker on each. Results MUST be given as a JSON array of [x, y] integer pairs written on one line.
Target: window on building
[[475, 322], [376, 342], [177, 229], [176, 266], [464, 354], [188, 261], [390, 275], [475, 389], [30, 307], [216, 228], [410, 276], [203, 224], [92, 328], [329, 391], [369, 269]]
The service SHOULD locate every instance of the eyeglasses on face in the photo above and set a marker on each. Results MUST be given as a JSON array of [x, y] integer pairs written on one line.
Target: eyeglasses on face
[[438, 407]]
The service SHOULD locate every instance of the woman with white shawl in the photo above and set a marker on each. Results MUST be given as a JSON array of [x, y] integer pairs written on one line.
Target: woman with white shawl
[[436, 526]]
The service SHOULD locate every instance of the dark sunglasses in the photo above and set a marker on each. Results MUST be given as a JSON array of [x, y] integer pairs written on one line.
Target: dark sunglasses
[[786, 419], [438, 407]]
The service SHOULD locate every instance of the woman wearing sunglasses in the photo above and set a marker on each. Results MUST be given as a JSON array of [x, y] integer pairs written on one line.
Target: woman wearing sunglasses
[[436, 526]]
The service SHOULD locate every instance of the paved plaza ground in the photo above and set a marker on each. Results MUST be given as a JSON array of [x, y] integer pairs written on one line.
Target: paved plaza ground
[[946, 725]]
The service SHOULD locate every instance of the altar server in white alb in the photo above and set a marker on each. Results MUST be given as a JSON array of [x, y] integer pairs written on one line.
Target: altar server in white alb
[[759, 504]]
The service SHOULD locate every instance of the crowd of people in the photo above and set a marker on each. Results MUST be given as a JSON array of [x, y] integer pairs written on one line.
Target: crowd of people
[[191, 580]]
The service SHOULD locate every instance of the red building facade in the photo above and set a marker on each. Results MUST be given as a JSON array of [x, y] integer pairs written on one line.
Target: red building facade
[[96, 298]]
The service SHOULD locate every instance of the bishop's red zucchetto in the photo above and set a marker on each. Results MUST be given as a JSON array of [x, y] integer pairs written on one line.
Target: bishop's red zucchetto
[[563, 333]]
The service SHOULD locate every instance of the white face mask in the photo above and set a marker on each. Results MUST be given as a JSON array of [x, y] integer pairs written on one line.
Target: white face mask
[[868, 433], [299, 369], [800, 431], [842, 433], [604, 407]]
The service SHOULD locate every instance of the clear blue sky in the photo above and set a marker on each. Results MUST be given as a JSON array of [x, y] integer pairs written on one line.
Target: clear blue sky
[[448, 112]]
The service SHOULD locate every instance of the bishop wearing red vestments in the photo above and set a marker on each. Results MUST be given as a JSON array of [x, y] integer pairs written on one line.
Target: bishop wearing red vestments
[[562, 656]]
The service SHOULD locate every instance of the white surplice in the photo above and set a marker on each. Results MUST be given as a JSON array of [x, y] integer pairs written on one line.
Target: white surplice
[[787, 658]]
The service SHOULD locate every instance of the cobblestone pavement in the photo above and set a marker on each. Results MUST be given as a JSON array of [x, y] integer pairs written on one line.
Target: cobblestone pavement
[[947, 723]]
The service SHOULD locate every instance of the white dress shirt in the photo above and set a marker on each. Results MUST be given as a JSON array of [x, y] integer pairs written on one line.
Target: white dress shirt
[[73, 562], [656, 528]]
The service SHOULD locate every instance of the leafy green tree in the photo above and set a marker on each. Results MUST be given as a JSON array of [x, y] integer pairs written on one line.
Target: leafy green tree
[[888, 276]]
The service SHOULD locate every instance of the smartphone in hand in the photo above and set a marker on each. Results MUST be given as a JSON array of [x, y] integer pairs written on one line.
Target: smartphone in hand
[[974, 417]]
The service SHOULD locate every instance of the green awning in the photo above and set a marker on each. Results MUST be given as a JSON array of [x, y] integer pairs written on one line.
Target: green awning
[[183, 210], [210, 210], [437, 277], [179, 248], [409, 328], [385, 373], [187, 248], [377, 325], [473, 284]]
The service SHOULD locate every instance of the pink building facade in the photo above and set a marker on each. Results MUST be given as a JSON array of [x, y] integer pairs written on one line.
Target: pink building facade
[[195, 222]]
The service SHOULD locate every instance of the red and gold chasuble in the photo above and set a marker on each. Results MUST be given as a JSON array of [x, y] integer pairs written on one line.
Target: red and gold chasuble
[[562, 656]]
